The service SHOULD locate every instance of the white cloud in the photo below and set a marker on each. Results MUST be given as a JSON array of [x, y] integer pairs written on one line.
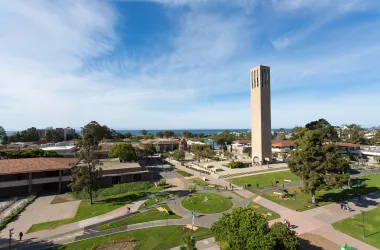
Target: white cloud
[[48, 75]]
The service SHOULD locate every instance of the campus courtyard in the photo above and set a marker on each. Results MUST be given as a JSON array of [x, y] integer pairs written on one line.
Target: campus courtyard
[[157, 213]]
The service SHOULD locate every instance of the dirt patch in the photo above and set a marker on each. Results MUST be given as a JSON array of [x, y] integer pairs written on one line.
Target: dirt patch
[[256, 206], [118, 245], [61, 198], [316, 242]]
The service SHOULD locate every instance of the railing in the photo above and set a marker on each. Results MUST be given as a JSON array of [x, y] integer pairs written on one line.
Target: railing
[[34, 181]]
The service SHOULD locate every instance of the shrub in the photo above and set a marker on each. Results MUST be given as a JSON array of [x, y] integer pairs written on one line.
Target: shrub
[[199, 170], [235, 164], [162, 182], [115, 190], [28, 153]]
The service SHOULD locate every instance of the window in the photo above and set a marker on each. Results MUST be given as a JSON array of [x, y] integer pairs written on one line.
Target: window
[[257, 78], [252, 86], [254, 78]]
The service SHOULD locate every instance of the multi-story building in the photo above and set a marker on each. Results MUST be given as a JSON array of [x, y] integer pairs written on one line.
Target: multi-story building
[[19, 177], [260, 114], [66, 133]]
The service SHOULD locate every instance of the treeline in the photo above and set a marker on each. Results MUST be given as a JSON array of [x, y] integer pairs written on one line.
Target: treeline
[[27, 153]]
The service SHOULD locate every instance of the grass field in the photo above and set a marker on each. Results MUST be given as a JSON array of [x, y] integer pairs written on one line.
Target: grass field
[[264, 211], [184, 173], [302, 201], [150, 215], [216, 203], [152, 201], [353, 227], [158, 238], [265, 180], [100, 206]]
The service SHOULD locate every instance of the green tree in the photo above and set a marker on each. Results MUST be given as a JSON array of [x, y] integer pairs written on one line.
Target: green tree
[[376, 139], [125, 151], [144, 132], [295, 131], [188, 242], [328, 132], [178, 155], [53, 136], [284, 238], [197, 150], [319, 165], [281, 130], [168, 134], [354, 135], [128, 135], [245, 229], [225, 138], [86, 177], [2, 132], [160, 134], [98, 132]]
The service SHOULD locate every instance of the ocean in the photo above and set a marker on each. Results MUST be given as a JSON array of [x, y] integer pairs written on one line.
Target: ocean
[[154, 131]]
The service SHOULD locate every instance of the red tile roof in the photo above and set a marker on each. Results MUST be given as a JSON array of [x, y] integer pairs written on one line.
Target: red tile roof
[[275, 143], [27, 165], [346, 144], [282, 143]]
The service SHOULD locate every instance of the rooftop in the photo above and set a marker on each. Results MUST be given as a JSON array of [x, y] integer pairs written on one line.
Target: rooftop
[[54, 148], [28, 165], [115, 164], [160, 141]]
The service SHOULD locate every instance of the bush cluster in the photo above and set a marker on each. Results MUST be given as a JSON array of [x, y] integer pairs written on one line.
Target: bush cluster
[[27, 153], [235, 164], [115, 190], [162, 182], [202, 171]]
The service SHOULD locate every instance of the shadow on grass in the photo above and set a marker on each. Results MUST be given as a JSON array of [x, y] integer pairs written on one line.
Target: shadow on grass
[[348, 194], [307, 245]]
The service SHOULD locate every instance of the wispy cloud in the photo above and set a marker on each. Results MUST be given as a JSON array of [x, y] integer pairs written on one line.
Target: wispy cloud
[[62, 63]]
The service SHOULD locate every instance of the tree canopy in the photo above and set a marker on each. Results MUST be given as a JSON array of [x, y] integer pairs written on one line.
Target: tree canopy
[[28, 135], [178, 155], [376, 139], [353, 135], [144, 132], [86, 177], [125, 151], [99, 132], [53, 136], [328, 132], [160, 134], [319, 164], [245, 229]]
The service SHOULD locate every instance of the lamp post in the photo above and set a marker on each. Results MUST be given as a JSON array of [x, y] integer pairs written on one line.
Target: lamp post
[[363, 223], [10, 238]]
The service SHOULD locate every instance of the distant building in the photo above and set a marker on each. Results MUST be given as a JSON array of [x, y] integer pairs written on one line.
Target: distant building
[[66, 133], [183, 145], [260, 114], [163, 144]]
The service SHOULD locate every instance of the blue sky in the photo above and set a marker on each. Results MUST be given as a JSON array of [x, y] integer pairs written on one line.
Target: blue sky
[[166, 64]]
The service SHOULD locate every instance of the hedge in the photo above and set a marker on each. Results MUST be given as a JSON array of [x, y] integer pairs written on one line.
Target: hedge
[[28, 153]]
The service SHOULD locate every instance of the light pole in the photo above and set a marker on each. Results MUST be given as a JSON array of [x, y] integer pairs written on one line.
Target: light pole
[[363, 223], [10, 238]]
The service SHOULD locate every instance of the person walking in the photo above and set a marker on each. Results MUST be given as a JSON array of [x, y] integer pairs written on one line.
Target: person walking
[[20, 235], [341, 206]]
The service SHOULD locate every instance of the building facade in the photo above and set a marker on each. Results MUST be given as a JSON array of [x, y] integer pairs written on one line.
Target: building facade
[[260, 114]]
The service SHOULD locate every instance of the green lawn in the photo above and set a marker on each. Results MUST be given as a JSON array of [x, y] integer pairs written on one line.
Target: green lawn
[[152, 201], [216, 203], [203, 183], [265, 180], [353, 227], [100, 206], [158, 238], [264, 211], [184, 173], [150, 215], [302, 201]]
